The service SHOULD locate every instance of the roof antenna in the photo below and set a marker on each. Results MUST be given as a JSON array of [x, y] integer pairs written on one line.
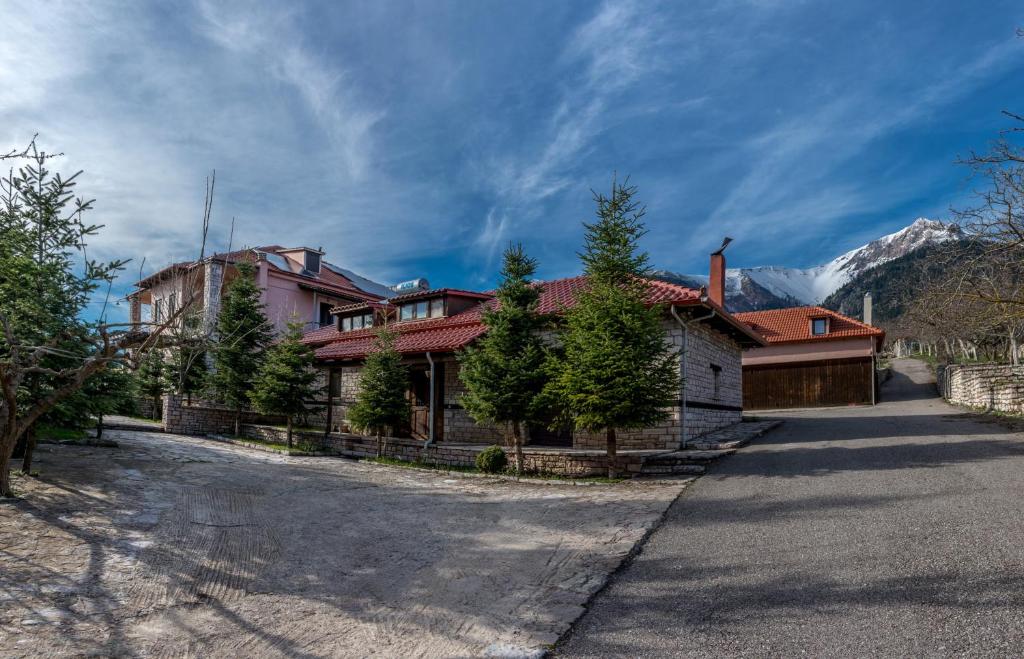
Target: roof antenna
[[725, 243]]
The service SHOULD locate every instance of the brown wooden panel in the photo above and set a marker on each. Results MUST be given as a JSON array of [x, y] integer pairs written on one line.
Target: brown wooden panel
[[808, 384]]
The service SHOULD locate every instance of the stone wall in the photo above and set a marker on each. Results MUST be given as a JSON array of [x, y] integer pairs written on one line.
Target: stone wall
[[144, 407], [203, 417], [538, 460], [986, 386]]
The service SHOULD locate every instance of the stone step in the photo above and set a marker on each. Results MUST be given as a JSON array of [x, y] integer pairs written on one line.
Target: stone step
[[670, 469], [688, 456]]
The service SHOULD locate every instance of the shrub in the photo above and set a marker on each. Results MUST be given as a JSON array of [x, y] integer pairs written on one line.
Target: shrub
[[491, 460]]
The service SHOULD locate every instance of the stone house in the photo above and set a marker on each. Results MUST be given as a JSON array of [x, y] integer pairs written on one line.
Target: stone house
[[295, 282], [432, 325]]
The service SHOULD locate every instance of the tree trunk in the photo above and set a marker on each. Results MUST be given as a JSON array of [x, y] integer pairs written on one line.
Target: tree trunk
[[613, 460], [238, 423], [156, 408], [289, 431], [380, 444], [517, 446], [99, 426], [30, 447], [6, 448]]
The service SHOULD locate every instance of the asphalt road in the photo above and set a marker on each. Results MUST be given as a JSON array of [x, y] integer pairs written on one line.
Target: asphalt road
[[894, 531]]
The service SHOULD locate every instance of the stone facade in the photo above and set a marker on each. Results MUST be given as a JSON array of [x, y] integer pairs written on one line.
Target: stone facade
[[714, 397], [997, 387], [203, 417]]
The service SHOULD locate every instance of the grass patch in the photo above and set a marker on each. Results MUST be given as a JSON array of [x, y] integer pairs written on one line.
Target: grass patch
[[56, 434], [395, 462]]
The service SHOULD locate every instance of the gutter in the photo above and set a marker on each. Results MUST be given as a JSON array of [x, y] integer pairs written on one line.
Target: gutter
[[433, 403], [683, 361]]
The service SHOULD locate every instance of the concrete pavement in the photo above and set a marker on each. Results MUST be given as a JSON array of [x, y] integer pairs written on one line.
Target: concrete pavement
[[892, 530]]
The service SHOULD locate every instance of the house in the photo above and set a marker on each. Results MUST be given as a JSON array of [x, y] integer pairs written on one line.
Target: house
[[815, 357], [432, 325], [295, 282]]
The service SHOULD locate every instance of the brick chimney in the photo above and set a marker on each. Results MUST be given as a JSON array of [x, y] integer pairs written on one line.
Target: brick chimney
[[868, 315], [716, 277]]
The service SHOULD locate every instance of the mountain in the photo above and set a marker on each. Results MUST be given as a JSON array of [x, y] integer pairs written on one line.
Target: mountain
[[772, 287], [894, 284]]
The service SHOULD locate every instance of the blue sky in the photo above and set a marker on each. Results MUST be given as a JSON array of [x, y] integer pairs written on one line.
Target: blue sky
[[418, 138]]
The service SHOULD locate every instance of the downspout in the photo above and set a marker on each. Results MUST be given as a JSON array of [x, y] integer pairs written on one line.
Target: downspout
[[683, 361], [430, 418]]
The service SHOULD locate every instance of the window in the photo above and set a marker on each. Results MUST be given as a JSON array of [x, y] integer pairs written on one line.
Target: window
[[313, 262], [433, 308], [325, 314], [352, 323], [335, 384], [172, 304], [819, 326], [716, 377], [158, 311]]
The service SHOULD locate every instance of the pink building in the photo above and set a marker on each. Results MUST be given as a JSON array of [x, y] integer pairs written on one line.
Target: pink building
[[296, 283]]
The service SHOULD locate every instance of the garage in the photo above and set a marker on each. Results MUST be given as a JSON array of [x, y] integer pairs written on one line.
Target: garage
[[815, 357]]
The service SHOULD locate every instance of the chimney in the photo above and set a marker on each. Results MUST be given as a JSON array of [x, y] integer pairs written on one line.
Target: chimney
[[867, 309], [716, 277]]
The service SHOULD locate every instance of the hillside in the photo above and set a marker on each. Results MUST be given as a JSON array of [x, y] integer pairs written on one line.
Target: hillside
[[892, 285]]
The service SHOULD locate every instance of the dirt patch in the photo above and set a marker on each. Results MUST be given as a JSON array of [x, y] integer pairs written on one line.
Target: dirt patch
[[173, 546]]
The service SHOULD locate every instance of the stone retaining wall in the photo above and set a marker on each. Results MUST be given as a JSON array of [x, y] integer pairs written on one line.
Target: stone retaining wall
[[986, 386], [548, 461], [144, 407], [204, 417]]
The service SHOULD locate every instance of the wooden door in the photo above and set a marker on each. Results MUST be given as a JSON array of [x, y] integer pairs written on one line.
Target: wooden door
[[419, 401], [808, 384]]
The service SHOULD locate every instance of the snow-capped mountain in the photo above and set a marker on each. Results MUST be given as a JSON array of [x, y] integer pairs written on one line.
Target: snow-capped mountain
[[768, 287]]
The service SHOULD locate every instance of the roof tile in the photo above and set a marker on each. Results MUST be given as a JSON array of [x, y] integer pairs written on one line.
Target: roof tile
[[793, 325]]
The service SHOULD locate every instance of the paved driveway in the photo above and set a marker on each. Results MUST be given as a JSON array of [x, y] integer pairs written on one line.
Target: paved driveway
[[895, 530], [173, 546]]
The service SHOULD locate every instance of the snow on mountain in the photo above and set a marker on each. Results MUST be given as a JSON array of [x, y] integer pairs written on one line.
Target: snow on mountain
[[775, 286]]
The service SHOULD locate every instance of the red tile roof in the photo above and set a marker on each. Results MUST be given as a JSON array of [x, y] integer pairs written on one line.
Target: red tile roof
[[793, 325], [453, 332], [456, 292]]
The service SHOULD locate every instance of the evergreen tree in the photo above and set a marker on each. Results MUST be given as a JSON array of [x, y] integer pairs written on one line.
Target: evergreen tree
[[151, 379], [285, 380], [616, 370], [381, 399], [108, 391], [242, 337], [186, 365], [504, 371]]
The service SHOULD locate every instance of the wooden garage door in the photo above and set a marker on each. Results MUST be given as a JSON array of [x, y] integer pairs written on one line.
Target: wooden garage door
[[808, 384]]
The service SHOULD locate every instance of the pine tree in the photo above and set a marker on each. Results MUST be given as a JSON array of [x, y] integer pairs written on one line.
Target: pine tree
[[381, 399], [285, 380], [151, 378], [242, 337], [186, 365], [106, 392], [504, 371], [616, 370]]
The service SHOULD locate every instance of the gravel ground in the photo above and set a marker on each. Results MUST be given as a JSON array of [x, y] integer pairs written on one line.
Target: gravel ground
[[173, 546], [887, 531]]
